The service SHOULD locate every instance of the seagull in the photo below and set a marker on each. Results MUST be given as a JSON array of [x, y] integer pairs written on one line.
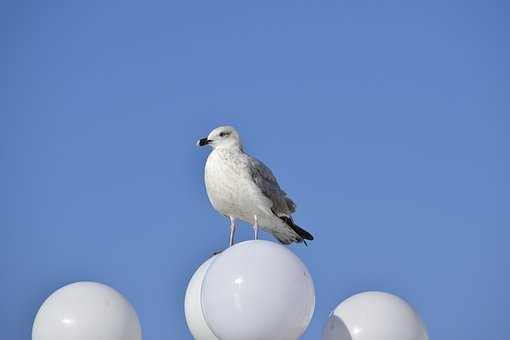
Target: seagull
[[240, 186]]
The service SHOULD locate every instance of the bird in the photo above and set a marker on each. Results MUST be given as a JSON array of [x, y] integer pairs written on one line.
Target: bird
[[241, 187]]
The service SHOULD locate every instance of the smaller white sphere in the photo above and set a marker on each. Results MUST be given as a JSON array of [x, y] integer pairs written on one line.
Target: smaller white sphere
[[258, 290], [85, 311], [374, 316], [193, 305]]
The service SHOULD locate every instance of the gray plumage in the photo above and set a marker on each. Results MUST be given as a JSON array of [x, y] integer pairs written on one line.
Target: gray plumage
[[265, 180]]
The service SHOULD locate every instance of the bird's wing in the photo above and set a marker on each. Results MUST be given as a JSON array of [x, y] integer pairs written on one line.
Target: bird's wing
[[266, 182]]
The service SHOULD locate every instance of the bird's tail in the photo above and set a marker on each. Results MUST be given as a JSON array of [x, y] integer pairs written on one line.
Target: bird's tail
[[301, 232], [300, 235]]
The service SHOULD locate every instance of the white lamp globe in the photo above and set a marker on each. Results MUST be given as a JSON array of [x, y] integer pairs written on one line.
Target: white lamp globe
[[374, 316], [258, 290], [193, 305], [85, 311]]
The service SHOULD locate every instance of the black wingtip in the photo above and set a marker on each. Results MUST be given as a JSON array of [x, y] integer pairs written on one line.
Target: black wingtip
[[305, 235], [301, 232]]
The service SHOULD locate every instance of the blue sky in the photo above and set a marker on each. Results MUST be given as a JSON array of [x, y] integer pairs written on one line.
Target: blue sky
[[387, 123]]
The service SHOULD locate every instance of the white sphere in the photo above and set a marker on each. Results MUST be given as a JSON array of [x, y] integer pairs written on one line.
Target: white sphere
[[258, 290], [85, 311], [193, 305], [374, 316]]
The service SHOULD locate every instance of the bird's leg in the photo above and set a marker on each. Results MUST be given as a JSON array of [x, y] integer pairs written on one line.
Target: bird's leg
[[256, 227], [232, 231]]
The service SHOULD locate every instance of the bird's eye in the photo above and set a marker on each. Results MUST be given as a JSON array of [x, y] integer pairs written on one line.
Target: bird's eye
[[223, 134]]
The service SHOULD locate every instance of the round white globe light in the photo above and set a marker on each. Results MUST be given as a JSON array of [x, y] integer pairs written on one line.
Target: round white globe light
[[193, 305], [374, 316], [258, 290], [85, 311]]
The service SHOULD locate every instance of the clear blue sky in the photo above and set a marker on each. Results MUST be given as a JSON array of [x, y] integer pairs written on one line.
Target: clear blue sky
[[387, 123]]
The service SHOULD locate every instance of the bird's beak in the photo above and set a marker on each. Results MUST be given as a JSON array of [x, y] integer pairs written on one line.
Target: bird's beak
[[203, 141]]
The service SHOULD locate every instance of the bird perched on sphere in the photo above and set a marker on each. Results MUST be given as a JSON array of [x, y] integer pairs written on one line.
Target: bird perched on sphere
[[240, 186]]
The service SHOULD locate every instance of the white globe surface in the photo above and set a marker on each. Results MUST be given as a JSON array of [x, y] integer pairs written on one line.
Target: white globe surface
[[258, 290], [85, 311], [193, 305], [374, 316]]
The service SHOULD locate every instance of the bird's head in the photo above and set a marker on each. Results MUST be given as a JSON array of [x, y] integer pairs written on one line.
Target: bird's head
[[222, 137]]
